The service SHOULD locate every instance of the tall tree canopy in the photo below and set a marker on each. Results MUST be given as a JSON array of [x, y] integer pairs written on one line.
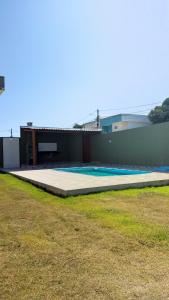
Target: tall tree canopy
[[160, 113]]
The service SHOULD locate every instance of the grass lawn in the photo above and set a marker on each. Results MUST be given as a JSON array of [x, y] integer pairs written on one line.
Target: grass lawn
[[112, 245]]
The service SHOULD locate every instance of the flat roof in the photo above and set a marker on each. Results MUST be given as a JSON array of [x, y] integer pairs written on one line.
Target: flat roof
[[125, 114]]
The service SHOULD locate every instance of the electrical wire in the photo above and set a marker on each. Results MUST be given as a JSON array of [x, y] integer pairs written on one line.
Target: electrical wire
[[122, 108], [129, 107]]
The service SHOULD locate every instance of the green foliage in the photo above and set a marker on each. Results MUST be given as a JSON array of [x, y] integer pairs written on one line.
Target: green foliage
[[160, 113], [79, 126]]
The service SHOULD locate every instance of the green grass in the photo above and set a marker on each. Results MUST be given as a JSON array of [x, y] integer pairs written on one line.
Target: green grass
[[112, 245], [100, 207]]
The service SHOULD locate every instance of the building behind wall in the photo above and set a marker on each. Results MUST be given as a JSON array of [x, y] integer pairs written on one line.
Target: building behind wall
[[120, 122], [41, 145], [138, 146]]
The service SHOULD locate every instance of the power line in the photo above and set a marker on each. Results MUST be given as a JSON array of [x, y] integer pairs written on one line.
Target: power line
[[5, 130], [86, 117], [129, 107], [90, 114], [132, 112], [139, 111], [118, 108]]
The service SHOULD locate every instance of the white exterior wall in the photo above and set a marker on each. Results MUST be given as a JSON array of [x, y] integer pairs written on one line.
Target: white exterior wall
[[91, 125], [11, 153], [135, 118], [124, 125], [125, 121], [119, 126], [137, 124]]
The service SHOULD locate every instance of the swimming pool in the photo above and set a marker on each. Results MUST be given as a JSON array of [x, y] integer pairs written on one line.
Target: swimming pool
[[101, 171]]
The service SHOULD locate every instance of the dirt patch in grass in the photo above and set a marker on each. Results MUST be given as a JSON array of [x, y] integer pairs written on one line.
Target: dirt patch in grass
[[87, 247]]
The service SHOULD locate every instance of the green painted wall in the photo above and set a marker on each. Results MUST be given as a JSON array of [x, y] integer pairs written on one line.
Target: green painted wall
[[140, 146]]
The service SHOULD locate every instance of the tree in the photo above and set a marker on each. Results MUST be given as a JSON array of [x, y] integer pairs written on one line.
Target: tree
[[79, 126], [160, 113]]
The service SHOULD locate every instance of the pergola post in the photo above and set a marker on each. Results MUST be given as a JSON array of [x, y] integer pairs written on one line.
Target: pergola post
[[34, 147]]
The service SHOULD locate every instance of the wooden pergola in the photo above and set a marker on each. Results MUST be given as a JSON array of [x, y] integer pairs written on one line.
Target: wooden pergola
[[86, 133]]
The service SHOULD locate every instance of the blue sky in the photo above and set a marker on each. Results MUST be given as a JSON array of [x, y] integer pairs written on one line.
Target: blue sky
[[63, 59]]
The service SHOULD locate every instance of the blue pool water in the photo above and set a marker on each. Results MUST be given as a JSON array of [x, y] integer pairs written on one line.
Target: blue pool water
[[101, 171]]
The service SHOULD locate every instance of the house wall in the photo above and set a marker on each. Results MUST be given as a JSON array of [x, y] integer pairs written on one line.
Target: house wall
[[75, 148], [140, 146], [123, 122], [128, 125], [92, 124], [11, 152], [107, 121], [120, 126], [62, 144], [70, 147], [25, 146], [44, 137], [107, 129], [135, 118]]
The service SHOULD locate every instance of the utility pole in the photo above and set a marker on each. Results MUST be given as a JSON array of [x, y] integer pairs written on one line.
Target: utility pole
[[2, 84], [98, 119]]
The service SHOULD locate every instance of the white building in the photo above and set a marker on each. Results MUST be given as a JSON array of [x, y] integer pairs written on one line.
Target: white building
[[120, 122]]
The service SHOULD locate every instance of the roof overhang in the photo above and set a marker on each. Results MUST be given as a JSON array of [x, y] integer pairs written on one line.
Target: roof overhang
[[60, 130]]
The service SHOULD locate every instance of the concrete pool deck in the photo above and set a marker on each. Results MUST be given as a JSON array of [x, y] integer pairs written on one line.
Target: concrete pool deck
[[69, 184]]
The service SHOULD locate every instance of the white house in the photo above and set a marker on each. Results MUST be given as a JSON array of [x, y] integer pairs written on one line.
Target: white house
[[120, 122]]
